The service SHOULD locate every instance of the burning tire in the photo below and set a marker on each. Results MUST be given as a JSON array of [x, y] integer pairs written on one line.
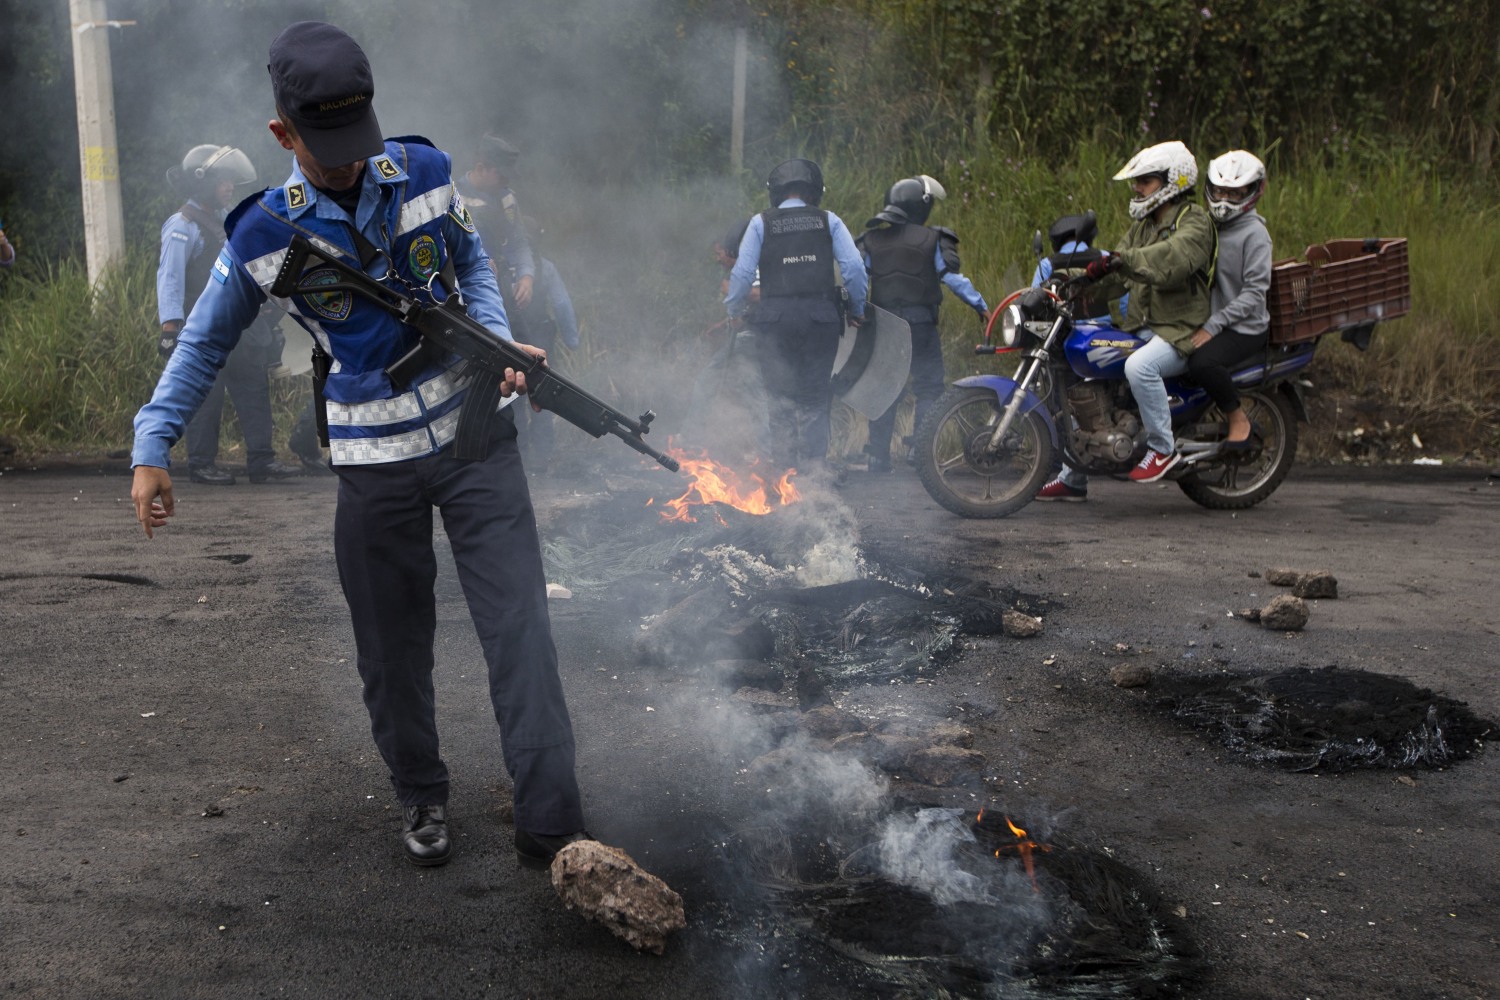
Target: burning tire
[[962, 472], [1245, 480]]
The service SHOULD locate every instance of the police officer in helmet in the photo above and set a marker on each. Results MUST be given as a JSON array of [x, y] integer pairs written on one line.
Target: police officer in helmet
[[800, 251], [190, 240], [909, 264]]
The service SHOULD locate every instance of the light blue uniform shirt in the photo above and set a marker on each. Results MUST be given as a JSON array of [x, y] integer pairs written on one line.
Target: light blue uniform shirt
[[856, 279]]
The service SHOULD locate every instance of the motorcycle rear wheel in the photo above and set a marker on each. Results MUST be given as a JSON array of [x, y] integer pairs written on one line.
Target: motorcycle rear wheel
[[957, 468], [1245, 480]]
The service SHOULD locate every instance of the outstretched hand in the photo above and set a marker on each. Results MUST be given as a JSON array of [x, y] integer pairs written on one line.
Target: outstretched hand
[[151, 491]]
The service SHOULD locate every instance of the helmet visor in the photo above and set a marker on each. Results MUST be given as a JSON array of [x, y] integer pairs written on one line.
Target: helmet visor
[[229, 164]]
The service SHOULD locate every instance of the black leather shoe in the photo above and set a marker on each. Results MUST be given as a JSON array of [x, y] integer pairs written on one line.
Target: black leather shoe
[[210, 475], [425, 835], [536, 851], [315, 465], [274, 470]]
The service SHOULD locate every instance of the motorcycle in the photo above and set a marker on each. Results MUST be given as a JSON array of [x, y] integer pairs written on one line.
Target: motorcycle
[[990, 442]]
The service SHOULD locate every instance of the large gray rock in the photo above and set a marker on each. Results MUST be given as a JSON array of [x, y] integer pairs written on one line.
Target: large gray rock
[[605, 885], [1317, 584], [1282, 577], [1285, 613], [1020, 625]]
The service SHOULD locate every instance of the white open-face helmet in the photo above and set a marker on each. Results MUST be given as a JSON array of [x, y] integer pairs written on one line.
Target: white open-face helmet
[[1178, 170], [1235, 169]]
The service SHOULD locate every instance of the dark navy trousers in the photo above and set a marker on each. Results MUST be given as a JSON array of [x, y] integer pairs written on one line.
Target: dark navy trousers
[[927, 383], [383, 540], [798, 341]]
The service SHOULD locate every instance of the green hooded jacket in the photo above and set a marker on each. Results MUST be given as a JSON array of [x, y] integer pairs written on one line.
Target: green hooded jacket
[[1168, 271]]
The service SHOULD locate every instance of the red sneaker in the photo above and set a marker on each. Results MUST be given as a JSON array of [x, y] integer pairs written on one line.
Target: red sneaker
[[1153, 467], [1059, 490]]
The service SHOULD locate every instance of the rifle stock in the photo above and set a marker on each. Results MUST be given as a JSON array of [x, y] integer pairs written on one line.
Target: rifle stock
[[447, 329]]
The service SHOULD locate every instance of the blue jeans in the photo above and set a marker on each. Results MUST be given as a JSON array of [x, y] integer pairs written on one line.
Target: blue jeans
[[1145, 369]]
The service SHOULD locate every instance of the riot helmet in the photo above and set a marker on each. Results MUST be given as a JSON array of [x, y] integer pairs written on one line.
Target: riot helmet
[[1075, 229], [205, 167], [910, 200], [1173, 163], [802, 174]]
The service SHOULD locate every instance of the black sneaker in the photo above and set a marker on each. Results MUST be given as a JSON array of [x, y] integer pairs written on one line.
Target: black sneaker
[[536, 850]]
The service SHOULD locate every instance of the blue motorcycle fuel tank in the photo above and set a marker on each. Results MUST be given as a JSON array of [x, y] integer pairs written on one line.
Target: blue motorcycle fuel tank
[[1099, 350]]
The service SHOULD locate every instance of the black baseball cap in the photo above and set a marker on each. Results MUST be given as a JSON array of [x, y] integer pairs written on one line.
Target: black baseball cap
[[323, 84]]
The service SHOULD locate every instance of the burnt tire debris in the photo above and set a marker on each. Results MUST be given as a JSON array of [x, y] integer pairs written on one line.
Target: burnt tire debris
[[1328, 719]]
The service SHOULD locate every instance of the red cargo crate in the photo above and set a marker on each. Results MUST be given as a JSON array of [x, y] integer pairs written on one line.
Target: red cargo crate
[[1341, 284]]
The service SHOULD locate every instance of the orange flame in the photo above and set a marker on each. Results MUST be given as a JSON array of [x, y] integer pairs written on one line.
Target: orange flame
[[1025, 847], [714, 483]]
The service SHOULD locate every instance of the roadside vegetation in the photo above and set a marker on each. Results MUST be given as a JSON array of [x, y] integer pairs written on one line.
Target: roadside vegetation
[[1376, 118]]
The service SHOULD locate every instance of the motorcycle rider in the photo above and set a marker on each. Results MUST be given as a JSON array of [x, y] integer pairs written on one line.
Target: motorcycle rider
[[1166, 263], [190, 241], [794, 246], [1241, 322], [909, 263]]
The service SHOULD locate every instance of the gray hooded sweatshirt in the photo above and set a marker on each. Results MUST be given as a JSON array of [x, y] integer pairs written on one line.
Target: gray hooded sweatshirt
[[1243, 277]]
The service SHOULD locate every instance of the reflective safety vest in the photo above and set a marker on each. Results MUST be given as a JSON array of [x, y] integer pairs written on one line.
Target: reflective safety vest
[[370, 421]]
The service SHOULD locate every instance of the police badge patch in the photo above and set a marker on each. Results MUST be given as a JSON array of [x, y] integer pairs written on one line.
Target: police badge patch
[[296, 195], [386, 167], [422, 256], [460, 213], [329, 305]]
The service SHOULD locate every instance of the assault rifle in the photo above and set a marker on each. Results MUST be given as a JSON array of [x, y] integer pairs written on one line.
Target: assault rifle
[[447, 329]]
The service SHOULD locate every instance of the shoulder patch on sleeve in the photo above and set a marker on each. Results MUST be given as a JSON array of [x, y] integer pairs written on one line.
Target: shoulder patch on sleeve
[[178, 234], [460, 212], [221, 267]]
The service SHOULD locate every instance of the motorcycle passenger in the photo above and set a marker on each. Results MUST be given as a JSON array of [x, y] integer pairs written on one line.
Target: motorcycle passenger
[[1165, 262], [1241, 320], [795, 246], [909, 263]]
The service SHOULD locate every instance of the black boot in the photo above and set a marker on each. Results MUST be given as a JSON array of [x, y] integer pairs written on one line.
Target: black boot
[[210, 475], [425, 836]]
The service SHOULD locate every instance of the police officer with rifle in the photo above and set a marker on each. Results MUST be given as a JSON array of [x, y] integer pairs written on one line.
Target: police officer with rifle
[[410, 427]]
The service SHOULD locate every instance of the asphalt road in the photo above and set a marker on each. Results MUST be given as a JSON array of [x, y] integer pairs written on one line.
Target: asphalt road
[[193, 806]]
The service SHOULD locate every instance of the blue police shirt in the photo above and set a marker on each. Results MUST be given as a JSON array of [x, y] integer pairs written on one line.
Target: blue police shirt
[[181, 241], [742, 277], [409, 207]]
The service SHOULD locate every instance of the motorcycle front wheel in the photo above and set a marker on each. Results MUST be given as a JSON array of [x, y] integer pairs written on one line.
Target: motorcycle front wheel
[[961, 472], [1244, 480]]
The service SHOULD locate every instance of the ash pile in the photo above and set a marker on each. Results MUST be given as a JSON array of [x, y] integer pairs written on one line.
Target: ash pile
[[1327, 719]]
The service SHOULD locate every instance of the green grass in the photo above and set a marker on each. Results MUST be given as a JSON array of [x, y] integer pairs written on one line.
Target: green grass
[[74, 367]]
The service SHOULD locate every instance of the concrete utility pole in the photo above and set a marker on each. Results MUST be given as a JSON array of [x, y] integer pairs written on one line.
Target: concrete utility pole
[[93, 83], [737, 119]]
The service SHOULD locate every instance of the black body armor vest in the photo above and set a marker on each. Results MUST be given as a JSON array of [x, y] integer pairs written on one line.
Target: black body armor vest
[[902, 272], [796, 254], [195, 273]]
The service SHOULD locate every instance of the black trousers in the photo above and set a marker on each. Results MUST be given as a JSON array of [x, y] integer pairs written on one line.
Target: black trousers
[[1210, 365], [244, 378], [384, 545], [798, 342]]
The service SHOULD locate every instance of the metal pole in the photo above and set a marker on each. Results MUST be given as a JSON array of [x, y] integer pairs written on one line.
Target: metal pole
[[93, 83], [737, 120]]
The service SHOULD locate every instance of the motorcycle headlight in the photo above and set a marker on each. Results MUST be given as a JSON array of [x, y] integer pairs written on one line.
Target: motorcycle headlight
[[1010, 325]]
